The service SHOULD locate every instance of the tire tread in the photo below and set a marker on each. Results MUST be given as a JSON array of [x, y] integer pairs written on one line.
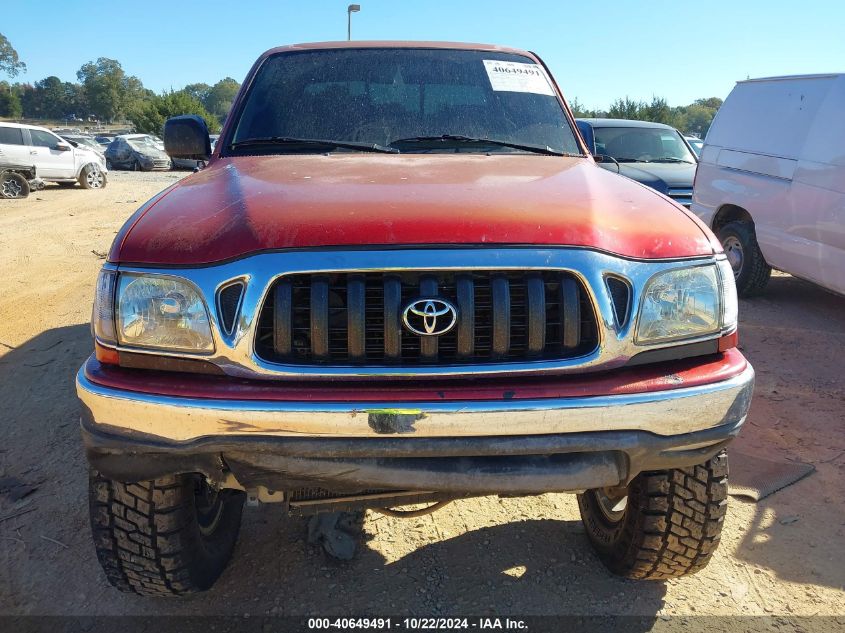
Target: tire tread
[[673, 522], [145, 535]]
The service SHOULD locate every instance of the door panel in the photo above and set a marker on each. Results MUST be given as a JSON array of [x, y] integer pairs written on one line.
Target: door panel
[[13, 147], [52, 163]]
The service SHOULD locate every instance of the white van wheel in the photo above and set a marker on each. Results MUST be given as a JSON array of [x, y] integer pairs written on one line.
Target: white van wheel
[[750, 268]]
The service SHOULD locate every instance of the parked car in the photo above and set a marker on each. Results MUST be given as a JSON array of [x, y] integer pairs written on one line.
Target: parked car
[[441, 297], [136, 152], [695, 143], [80, 140], [771, 182], [61, 131], [651, 153], [55, 159], [104, 141], [187, 163]]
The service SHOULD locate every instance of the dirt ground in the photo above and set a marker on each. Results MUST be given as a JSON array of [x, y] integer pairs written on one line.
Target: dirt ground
[[782, 556]]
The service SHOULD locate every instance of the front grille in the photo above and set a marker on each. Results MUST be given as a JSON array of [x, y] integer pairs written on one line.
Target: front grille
[[681, 195], [356, 318], [159, 163]]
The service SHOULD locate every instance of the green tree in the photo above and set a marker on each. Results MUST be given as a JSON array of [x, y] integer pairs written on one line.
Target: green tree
[[698, 119], [711, 102], [220, 97], [579, 110], [49, 98], [110, 92], [198, 91], [10, 103], [626, 109], [657, 111], [10, 63], [149, 115], [75, 100]]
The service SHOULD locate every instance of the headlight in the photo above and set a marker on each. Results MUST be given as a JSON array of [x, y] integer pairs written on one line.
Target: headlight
[[679, 304], [162, 313]]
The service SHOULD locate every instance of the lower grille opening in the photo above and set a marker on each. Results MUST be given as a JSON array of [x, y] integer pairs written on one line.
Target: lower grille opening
[[356, 318]]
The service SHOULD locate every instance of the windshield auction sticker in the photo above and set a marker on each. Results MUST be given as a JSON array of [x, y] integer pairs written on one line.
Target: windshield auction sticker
[[517, 77]]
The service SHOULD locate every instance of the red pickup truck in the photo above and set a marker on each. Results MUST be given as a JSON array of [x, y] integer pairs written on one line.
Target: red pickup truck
[[402, 279]]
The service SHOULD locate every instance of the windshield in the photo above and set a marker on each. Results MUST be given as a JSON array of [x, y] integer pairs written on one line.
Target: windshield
[[642, 144], [696, 144], [141, 142], [84, 141], [380, 96]]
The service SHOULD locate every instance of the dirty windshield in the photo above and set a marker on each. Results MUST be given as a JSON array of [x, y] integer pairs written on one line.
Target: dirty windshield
[[406, 100]]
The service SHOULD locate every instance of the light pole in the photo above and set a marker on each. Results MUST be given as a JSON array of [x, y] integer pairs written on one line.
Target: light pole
[[352, 8]]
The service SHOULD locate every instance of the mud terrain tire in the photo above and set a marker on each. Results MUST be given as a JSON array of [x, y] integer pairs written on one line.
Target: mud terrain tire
[[670, 526], [165, 537]]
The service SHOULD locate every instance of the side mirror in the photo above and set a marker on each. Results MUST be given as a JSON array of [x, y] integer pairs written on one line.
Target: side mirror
[[186, 136], [62, 147]]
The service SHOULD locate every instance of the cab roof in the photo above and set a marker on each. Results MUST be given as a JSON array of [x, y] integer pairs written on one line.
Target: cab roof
[[396, 44], [624, 123]]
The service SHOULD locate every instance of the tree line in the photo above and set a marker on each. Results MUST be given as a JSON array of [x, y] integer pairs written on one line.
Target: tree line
[[694, 118], [107, 93]]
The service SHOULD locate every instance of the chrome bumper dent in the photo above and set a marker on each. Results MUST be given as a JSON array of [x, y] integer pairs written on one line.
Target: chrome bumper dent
[[175, 419]]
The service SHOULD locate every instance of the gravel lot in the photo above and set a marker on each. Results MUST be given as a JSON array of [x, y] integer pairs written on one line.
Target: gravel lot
[[783, 556]]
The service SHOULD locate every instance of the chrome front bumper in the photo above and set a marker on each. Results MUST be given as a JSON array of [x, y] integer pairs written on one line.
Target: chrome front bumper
[[177, 419]]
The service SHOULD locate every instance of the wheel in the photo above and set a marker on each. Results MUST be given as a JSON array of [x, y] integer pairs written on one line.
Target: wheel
[[13, 185], [665, 524], [170, 536], [136, 166], [750, 268], [109, 166], [92, 177]]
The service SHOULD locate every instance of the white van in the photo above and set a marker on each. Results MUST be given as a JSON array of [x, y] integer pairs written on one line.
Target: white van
[[55, 159], [771, 180]]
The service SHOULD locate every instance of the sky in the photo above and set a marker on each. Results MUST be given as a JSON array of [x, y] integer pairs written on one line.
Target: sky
[[678, 49]]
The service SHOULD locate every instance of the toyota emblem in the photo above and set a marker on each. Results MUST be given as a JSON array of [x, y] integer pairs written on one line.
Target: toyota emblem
[[430, 317]]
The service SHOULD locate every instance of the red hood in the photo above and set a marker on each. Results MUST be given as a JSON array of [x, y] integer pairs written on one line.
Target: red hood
[[242, 205]]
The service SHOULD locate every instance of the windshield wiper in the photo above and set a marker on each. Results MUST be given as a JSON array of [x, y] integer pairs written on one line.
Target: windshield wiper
[[314, 142], [671, 159], [459, 138]]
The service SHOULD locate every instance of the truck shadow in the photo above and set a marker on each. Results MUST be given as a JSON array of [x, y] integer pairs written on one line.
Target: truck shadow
[[528, 567]]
